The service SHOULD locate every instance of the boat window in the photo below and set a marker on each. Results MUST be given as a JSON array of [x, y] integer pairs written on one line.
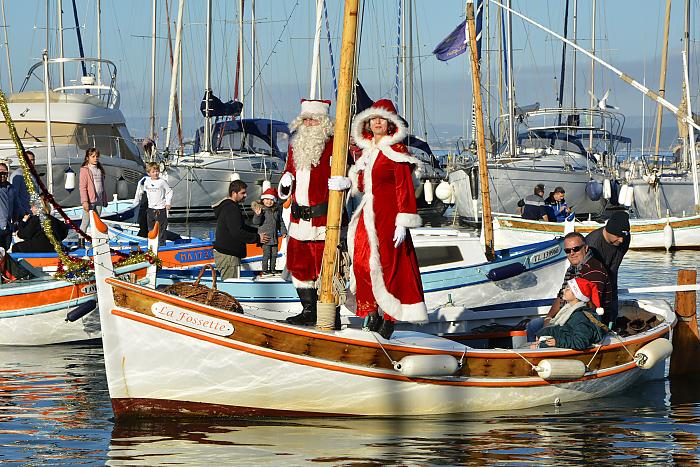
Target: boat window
[[434, 255], [231, 141], [258, 145], [282, 142]]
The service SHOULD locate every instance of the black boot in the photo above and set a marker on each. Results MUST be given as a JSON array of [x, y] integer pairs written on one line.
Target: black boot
[[307, 317], [386, 329], [372, 322], [338, 325]]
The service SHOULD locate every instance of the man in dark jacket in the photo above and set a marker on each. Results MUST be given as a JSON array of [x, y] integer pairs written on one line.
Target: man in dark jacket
[[232, 233], [583, 265], [609, 245], [533, 205]]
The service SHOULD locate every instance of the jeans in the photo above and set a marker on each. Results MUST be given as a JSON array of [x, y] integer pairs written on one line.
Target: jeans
[[269, 258], [533, 327], [85, 221]]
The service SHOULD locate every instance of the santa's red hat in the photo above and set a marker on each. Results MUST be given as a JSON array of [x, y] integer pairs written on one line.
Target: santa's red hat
[[315, 107], [585, 291], [270, 193]]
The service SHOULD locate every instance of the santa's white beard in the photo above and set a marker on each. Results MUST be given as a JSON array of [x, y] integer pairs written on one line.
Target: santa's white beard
[[308, 143]]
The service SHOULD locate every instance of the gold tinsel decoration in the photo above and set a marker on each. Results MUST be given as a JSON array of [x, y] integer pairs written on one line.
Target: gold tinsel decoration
[[71, 269]]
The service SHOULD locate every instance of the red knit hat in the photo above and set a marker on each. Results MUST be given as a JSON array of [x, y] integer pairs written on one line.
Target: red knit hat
[[270, 193], [585, 291]]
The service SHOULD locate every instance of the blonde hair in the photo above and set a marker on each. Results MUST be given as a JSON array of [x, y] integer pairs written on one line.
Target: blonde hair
[[152, 165]]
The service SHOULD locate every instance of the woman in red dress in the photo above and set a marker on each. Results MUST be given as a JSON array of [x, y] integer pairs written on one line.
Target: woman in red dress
[[385, 271]]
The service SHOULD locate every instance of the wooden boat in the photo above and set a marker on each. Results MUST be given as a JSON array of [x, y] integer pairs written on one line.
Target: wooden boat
[[672, 233], [36, 311], [168, 356], [453, 268]]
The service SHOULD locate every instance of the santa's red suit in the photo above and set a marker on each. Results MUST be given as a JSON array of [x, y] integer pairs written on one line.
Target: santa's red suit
[[383, 275], [307, 228]]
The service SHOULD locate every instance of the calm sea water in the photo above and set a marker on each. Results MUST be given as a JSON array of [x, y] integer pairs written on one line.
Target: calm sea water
[[55, 410]]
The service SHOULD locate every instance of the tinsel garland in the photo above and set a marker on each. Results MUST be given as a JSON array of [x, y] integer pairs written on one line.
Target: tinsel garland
[[72, 269]]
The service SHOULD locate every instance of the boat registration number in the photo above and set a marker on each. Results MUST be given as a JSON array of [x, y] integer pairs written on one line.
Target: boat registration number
[[545, 255]]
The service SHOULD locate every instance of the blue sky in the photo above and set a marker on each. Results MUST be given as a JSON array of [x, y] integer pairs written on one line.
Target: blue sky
[[628, 35]]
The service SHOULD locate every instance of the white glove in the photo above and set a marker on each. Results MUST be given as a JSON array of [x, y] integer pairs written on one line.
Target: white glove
[[339, 183], [399, 235], [284, 188]]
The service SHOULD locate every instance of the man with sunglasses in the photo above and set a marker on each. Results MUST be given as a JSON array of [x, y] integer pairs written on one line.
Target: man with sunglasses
[[582, 264]]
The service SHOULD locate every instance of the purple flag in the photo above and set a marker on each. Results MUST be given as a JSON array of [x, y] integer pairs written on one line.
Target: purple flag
[[453, 45]]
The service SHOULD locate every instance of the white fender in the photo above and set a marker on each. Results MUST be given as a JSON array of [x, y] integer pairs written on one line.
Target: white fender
[[560, 369], [428, 192], [652, 353], [622, 195], [122, 188], [266, 185], [629, 196], [443, 191], [427, 365], [607, 189], [668, 236], [70, 180], [235, 176]]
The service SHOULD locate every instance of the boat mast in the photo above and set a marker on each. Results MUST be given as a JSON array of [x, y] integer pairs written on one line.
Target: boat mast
[[99, 42], [241, 74], [175, 68], [252, 58], [592, 101], [511, 85], [61, 70], [691, 136], [49, 148], [662, 78], [152, 118], [327, 300], [402, 18], [486, 220], [409, 90], [562, 74], [207, 84], [7, 46], [315, 56], [573, 56]]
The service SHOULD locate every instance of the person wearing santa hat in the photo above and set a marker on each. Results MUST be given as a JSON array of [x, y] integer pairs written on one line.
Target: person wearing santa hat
[[306, 180], [384, 272], [268, 216], [574, 326]]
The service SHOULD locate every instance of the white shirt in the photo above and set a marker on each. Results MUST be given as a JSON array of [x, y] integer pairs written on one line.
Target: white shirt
[[158, 192]]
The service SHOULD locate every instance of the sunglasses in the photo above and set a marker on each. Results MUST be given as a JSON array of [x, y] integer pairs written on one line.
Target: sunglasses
[[574, 249]]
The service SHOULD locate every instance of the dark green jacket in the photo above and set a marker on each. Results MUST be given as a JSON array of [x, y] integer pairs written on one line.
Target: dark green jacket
[[578, 333]]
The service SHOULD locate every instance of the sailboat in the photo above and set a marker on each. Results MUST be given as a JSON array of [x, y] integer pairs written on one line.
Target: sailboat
[[166, 355]]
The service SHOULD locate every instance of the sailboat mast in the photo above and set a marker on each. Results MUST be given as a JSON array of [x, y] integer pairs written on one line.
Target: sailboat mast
[[61, 70], [662, 78], [327, 301], [592, 101], [152, 117], [174, 72], [98, 15], [252, 58], [241, 73], [486, 219], [403, 56], [511, 85], [691, 136], [49, 148], [7, 46], [573, 55], [315, 56], [207, 84]]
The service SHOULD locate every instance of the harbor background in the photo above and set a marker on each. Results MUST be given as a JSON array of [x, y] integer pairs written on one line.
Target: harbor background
[[55, 410]]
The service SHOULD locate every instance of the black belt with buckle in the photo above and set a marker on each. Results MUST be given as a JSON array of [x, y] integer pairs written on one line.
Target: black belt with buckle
[[309, 212]]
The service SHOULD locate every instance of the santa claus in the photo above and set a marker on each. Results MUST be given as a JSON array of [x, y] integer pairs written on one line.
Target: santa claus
[[385, 271], [306, 180]]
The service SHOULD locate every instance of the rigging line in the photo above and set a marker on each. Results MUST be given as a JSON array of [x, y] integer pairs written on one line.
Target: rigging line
[[274, 47], [330, 51]]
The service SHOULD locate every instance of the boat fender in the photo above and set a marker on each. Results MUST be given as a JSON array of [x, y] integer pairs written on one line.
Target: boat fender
[[607, 189], [266, 185], [652, 353], [122, 188], [235, 176], [560, 369], [506, 272], [622, 193], [629, 196], [668, 236], [415, 366], [428, 192], [474, 182], [443, 191], [81, 310], [70, 180], [594, 190]]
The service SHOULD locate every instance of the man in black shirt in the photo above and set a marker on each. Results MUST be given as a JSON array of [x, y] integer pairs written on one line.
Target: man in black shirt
[[609, 245]]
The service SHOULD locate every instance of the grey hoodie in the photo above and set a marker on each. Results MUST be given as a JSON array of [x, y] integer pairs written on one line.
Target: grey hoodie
[[269, 221]]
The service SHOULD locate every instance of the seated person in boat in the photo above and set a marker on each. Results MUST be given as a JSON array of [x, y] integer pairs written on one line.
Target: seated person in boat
[[31, 231], [533, 207], [574, 326], [584, 265], [557, 208]]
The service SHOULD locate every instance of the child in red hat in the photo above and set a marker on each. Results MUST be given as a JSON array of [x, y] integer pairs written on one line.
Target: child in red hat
[[268, 215], [574, 326]]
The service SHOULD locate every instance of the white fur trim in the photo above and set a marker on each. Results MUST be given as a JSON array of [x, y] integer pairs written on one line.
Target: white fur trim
[[354, 175], [303, 284], [314, 107], [600, 311], [408, 220], [414, 312], [272, 197], [359, 120], [305, 231], [284, 188]]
